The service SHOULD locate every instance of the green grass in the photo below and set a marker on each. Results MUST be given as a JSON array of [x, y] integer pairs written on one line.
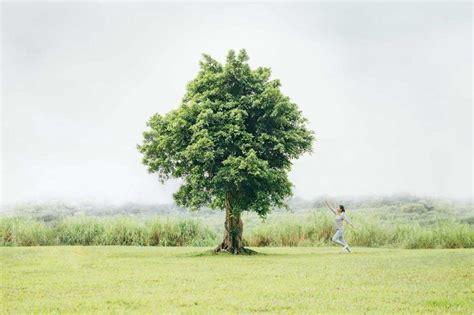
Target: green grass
[[130, 279]]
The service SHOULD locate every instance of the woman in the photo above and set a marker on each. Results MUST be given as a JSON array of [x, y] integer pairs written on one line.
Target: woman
[[338, 237]]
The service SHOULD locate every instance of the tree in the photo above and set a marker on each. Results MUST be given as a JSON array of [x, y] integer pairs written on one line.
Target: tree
[[231, 142]]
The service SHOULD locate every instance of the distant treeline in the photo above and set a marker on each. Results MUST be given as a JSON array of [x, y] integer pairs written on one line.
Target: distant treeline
[[314, 229], [387, 207]]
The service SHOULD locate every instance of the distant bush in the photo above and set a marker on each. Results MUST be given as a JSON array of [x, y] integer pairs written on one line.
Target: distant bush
[[468, 220]]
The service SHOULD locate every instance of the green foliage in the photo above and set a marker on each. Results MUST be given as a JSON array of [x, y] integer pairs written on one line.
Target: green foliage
[[234, 133]]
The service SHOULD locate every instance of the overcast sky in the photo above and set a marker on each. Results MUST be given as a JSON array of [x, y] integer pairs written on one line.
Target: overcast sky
[[387, 89]]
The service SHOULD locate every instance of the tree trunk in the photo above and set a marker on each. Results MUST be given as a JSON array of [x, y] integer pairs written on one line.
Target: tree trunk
[[233, 228]]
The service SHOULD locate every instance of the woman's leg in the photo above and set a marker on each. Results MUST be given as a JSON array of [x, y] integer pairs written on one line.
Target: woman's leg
[[338, 238], [346, 246]]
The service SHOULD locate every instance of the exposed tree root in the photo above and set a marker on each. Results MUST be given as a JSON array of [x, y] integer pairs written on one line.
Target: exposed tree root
[[235, 251]]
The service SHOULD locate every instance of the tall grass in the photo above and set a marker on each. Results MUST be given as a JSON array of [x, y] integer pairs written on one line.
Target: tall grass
[[95, 231], [181, 233], [25, 232], [318, 229], [314, 230], [78, 231]]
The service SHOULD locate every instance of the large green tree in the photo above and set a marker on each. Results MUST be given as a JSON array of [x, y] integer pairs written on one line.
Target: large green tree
[[231, 142]]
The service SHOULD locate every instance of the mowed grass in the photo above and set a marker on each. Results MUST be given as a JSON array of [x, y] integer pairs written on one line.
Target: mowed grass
[[286, 280]]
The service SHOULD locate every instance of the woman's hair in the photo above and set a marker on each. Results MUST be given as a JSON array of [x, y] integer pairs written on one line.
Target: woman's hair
[[342, 208]]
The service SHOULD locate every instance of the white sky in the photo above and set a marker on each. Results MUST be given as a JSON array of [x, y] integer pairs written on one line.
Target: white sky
[[387, 89]]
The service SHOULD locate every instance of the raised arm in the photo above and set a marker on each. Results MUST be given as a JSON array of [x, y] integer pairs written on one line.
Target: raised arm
[[330, 207], [348, 221]]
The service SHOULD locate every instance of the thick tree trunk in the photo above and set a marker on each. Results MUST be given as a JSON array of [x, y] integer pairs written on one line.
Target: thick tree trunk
[[233, 228]]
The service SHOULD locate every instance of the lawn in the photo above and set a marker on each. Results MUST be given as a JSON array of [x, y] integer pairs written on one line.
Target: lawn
[[286, 280]]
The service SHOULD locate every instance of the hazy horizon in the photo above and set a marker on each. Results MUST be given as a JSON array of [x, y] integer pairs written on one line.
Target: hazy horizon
[[387, 88]]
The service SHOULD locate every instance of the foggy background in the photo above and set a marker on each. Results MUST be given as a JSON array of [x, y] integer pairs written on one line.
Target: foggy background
[[387, 89]]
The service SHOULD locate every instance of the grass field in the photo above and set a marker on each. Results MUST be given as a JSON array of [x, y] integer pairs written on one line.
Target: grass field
[[286, 280]]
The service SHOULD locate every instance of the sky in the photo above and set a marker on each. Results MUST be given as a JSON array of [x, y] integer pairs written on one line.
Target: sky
[[386, 87]]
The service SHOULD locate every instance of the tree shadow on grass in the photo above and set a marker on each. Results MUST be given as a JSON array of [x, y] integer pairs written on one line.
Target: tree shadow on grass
[[277, 253], [213, 252]]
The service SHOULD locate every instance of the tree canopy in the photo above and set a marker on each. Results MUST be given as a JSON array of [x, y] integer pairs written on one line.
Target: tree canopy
[[231, 140]]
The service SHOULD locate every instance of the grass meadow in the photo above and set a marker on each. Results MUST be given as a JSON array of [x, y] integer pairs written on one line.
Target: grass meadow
[[410, 256], [132, 279]]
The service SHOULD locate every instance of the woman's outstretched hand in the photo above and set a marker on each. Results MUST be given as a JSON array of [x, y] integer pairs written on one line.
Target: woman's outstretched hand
[[330, 207]]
